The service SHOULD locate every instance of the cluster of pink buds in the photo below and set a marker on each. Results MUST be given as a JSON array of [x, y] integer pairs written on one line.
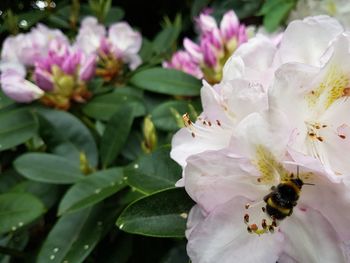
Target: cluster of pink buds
[[115, 48], [216, 44], [64, 73], [42, 64]]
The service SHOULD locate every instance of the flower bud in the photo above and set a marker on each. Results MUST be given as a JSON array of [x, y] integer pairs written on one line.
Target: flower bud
[[229, 25], [206, 23], [150, 135], [193, 49], [17, 88], [43, 79], [87, 70]]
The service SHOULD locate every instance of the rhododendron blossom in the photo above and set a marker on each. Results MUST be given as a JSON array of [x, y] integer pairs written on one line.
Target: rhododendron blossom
[[270, 174], [115, 48], [216, 44]]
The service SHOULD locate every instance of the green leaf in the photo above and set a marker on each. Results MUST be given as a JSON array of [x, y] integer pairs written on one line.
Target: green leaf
[[67, 136], [275, 13], [104, 106], [167, 81], [168, 115], [16, 127], [113, 15], [17, 210], [165, 39], [116, 134], [92, 190], [4, 100], [49, 194], [47, 168], [162, 214], [153, 172], [75, 235]]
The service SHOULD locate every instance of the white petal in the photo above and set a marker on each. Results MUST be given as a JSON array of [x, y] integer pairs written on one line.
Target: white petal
[[305, 41], [213, 178], [311, 238], [222, 237]]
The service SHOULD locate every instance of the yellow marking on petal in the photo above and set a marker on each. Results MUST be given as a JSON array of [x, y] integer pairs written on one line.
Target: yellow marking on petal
[[269, 167], [330, 89]]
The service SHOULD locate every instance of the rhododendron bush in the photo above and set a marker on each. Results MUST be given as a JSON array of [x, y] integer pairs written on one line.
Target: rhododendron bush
[[219, 136]]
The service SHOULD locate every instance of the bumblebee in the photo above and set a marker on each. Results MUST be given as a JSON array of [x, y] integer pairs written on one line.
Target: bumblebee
[[281, 201]]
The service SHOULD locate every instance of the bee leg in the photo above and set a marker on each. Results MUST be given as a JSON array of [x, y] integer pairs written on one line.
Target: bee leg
[[290, 212], [266, 197]]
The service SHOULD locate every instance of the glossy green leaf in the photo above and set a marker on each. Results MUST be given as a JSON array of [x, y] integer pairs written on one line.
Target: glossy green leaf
[[4, 100], [276, 11], [153, 172], [104, 106], [168, 115], [92, 190], [47, 168], [16, 127], [17, 210], [165, 39], [67, 136], [116, 134], [75, 235], [162, 214], [167, 81], [49, 194], [113, 15]]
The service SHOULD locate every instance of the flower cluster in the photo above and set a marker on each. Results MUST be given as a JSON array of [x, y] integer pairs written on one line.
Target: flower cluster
[[216, 44], [44, 64], [266, 161]]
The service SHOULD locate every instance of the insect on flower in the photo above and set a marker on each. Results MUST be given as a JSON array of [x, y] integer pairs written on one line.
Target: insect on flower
[[279, 203]]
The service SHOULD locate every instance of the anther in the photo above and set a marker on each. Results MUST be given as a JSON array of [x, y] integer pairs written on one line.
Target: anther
[[218, 122], [186, 119], [263, 224], [342, 136], [253, 227], [324, 126], [263, 209], [320, 138], [247, 206], [312, 134], [249, 229], [209, 123], [246, 218], [271, 229], [193, 135], [259, 180]]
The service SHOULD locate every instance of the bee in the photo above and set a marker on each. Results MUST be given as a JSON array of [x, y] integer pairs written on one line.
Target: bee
[[283, 198]]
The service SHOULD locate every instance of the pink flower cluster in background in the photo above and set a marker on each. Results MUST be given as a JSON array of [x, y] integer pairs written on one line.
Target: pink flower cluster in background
[[43, 64], [266, 161], [216, 44]]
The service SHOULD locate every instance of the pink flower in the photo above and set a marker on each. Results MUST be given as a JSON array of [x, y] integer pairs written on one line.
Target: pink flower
[[181, 60], [16, 87], [27, 48], [215, 45], [121, 43]]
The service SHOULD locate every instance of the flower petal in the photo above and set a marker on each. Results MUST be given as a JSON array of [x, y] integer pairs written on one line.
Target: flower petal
[[223, 237], [306, 40], [311, 238]]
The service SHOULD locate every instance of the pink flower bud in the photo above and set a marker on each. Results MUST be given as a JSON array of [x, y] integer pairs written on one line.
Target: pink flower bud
[[18, 88], [229, 25], [210, 58], [193, 49], [182, 60], [71, 63], [87, 70], [206, 23], [43, 79]]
